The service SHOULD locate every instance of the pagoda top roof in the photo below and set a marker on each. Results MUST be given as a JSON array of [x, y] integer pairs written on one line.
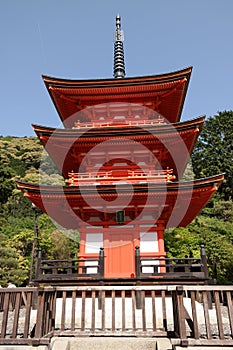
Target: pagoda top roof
[[181, 201], [163, 93]]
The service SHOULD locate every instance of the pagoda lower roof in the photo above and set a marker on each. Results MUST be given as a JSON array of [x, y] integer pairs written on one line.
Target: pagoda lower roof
[[164, 93], [170, 144], [176, 203]]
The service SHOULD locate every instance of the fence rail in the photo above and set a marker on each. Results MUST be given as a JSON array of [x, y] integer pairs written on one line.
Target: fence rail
[[203, 315], [172, 268], [18, 316], [48, 270], [145, 267], [191, 315]]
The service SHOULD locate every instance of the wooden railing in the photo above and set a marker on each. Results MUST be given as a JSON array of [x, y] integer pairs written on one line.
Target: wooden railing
[[18, 315], [203, 315], [182, 313], [49, 270], [179, 312], [174, 269], [171, 268]]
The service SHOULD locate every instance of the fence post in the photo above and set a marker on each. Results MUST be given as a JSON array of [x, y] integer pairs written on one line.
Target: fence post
[[178, 313], [138, 275], [204, 262], [101, 263], [206, 273], [137, 262], [101, 273], [38, 264], [39, 326]]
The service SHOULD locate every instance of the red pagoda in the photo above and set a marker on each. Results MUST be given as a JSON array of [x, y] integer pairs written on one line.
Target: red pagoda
[[123, 152]]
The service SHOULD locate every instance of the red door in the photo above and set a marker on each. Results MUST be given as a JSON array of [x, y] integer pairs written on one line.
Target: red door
[[119, 255]]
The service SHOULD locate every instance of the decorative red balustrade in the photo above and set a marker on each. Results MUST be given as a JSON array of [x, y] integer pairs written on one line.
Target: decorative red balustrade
[[122, 123], [133, 176]]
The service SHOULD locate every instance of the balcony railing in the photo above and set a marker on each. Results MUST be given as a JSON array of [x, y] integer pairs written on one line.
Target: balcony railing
[[134, 176], [172, 268], [66, 270], [121, 123], [146, 268]]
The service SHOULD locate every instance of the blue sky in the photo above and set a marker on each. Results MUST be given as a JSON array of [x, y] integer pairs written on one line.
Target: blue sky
[[74, 39]]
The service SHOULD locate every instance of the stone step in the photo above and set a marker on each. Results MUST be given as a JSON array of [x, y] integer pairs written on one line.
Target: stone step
[[113, 343], [163, 344]]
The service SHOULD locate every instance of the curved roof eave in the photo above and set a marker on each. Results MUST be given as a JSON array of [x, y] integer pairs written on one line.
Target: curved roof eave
[[185, 199], [159, 128], [170, 186], [186, 72]]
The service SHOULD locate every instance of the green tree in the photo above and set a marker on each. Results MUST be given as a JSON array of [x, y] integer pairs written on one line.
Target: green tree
[[13, 266], [180, 242], [219, 249], [215, 234], [220, 209], [6, 183], [213, 153]]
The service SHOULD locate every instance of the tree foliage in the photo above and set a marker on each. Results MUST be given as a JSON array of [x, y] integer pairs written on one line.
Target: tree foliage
[[213, 153], [13, 265], [24, 159], [217, 237], [6, 184]]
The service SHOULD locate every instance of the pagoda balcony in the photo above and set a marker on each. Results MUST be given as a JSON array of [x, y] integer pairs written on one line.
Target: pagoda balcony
[[69, 270], [119, 122], [147, 269], [109, 177]]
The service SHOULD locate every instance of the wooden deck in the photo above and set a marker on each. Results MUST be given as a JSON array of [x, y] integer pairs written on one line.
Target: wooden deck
[[147, 270], [188, 315]]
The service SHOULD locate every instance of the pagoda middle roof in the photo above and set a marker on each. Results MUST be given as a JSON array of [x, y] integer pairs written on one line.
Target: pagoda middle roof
[[173, 142], [163, 93]]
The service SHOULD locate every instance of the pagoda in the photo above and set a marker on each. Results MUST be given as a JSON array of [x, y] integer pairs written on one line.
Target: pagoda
[[122, 152]]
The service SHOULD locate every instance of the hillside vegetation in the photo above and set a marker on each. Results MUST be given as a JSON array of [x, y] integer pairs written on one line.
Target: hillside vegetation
[[24, 159]]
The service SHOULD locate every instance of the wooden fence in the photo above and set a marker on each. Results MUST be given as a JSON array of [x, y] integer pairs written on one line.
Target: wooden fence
[[175, 269], [203, 315], [66, 270], [145, 267], [18, 316], [196, 315]]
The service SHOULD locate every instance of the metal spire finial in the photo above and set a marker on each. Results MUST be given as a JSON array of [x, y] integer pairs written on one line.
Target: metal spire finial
[[119, 65]]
